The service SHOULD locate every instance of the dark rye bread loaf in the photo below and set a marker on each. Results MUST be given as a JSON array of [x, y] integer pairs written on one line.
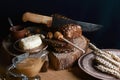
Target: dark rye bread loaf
[[59, 61], [58, 46]]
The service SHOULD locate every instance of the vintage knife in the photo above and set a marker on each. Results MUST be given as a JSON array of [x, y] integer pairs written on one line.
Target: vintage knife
[[58, 21]]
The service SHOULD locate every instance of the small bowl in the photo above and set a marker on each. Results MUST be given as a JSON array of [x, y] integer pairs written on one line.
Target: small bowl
[[18, 32], [24, 73]]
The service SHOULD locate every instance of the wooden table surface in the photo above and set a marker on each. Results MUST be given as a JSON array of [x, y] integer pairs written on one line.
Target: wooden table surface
[[58, 75]]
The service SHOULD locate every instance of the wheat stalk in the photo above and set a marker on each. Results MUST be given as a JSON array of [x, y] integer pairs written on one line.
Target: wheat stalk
[[108, 59], [115, 57], [108, 70]]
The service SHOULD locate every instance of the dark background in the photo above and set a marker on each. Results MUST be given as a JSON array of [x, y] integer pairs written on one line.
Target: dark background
[[104, 12]]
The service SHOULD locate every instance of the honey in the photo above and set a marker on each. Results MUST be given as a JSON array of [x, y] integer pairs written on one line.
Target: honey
[[30, 66]]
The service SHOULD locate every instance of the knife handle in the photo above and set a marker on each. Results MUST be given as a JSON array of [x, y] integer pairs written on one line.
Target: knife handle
[[37, 18]]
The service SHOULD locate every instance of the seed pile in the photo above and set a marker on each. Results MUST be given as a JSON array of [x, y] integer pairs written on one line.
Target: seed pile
[[106, 61]]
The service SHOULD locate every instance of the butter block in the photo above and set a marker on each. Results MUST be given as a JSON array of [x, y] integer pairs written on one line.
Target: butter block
[[30, 42]]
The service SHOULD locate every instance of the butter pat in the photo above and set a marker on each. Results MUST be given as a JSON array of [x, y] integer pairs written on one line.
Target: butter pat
[[30, 42]]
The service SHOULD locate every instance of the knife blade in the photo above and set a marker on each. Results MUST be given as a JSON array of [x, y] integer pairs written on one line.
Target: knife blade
[[59, 21], [89, 26]]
